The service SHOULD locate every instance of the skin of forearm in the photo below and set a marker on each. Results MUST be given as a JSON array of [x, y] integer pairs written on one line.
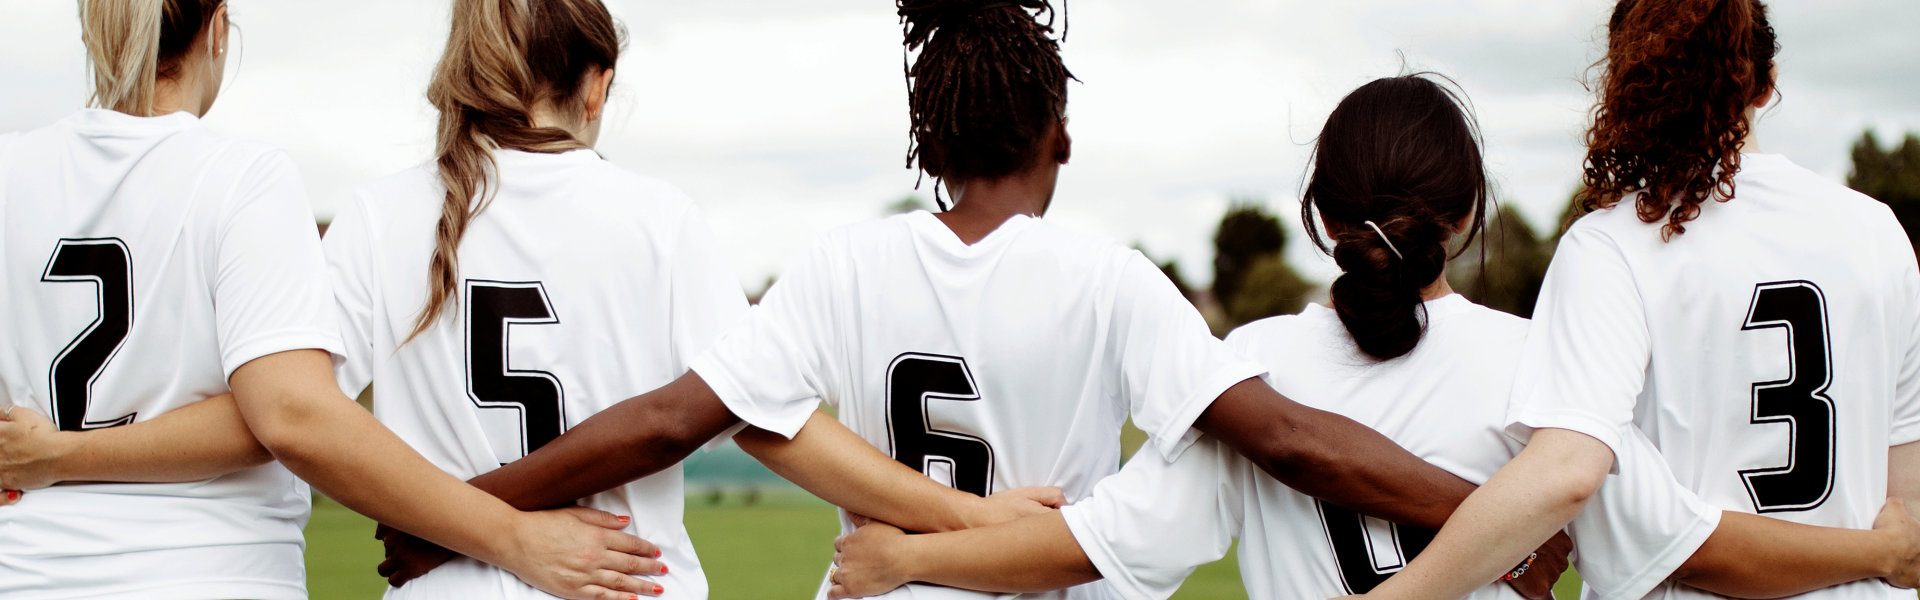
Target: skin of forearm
[[292, 404], [1523, 504], [1750, 556], [1332, 457], [202, 440], [1034, 554], [837, 465], [637, 437]]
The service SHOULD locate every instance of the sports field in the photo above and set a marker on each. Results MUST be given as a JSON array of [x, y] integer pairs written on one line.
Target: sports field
[[776, 548]]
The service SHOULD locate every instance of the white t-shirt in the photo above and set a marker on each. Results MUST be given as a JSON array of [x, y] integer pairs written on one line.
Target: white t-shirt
[[581, 285], [1772, 352], [1011, 362], [1147, 528], [145, 260]]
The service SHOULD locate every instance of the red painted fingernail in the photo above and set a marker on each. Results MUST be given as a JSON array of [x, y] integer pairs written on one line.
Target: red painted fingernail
[[663, 569], [657, 589], [657, 553], [633, 597], [624, 519], [13, 494]]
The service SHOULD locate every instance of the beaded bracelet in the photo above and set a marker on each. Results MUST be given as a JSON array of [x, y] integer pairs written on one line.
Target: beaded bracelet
[[1522, 569]]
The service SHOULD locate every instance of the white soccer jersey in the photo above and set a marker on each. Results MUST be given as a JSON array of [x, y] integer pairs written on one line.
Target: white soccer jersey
[[580, 286], [145, 260], [1011, 362], [1772, 352], [1147, 528]]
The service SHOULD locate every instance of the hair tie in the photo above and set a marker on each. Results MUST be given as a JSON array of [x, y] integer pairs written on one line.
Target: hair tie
[[1383, 238]]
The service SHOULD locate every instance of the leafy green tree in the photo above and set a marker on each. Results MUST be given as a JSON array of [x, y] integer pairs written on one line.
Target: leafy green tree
[[1890, 176], [1251, 280], [1507, 276]]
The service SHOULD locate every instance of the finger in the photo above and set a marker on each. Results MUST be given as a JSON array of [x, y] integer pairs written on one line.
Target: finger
[[11, 497], [595, 592], [1051, 496], [859, 520], [387, 568], [626, 584], [633, 565], [628, 543], [837, 592], [839, 543], [837, 556], [408, 572], [598, 517]]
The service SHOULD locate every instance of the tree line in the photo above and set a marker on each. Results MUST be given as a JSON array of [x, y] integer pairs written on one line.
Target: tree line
[[1503, 269]]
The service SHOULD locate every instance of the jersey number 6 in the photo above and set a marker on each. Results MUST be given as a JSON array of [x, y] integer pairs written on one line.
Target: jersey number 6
[[493, 308], [106, 264], [915, 380], [1800, 400]]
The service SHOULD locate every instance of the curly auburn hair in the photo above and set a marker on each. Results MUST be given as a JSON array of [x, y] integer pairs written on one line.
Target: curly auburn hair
[[1679, 76], [987, 84]]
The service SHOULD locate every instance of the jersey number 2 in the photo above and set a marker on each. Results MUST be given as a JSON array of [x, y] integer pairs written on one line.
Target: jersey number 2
[[493, 308], [1369, 556], [915, 380], [106, 264], [1800, 400]]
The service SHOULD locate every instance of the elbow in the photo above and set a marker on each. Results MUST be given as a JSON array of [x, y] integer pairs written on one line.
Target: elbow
[[280, 433]]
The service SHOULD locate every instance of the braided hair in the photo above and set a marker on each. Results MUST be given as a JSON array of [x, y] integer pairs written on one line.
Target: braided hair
[[987, 84]]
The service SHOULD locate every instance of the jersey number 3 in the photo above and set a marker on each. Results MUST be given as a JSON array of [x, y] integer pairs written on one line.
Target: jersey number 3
[[493, 308], [107, 265], [1800, 400], [916, 380]]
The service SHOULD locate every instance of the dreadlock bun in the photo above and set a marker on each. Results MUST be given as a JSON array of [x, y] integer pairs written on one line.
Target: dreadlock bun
[[987, 84]]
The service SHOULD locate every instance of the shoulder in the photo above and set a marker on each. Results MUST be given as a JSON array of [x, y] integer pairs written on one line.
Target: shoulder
[[1284, 330], [618, 182]]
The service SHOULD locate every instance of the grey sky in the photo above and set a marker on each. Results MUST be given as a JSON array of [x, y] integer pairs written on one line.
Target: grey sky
[[785, 118]]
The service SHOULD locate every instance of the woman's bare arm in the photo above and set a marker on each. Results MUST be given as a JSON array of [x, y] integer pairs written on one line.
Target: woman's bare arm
[[201, 440]]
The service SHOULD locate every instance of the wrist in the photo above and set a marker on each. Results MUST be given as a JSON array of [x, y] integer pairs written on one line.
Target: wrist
[[61, 458], [908, 560], [1894, 548], [974, 511]]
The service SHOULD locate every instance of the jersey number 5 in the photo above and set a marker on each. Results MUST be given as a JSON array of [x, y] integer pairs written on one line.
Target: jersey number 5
[[1369, 555], [1800, 400], [916, 380], [107, 265], [493, 308]]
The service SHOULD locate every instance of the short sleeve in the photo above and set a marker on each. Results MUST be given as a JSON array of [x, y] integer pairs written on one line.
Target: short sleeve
[[1171, 366], [1149, 526], [348, 246], [1586, 354], [1640, 527], [1905, 425], [770, 371], [270, 291]]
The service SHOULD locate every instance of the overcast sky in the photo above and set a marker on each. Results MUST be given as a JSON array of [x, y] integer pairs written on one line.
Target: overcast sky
[[784, 118]]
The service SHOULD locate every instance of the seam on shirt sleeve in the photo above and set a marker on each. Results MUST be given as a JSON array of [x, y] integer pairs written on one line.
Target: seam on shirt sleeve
[[1111, 568], [1173, 437]]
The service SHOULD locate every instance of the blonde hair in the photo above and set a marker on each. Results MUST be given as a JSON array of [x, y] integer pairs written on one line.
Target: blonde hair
[[503, 57], [131, 43]]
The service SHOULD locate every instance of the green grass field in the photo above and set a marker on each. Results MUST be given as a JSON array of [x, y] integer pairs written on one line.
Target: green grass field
[[776, 548]]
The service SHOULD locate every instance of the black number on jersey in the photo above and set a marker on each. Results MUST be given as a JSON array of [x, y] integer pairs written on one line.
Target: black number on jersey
[[107, 265], [916, 380], [1800, 400], [493, 308], [1360, 553]]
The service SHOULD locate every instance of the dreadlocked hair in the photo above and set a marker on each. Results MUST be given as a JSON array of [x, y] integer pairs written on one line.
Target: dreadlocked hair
[[1679, 76], [503, 58], [987, 84]]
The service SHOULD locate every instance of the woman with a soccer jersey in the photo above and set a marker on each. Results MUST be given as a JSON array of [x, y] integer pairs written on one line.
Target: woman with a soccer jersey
[[1397, 180]]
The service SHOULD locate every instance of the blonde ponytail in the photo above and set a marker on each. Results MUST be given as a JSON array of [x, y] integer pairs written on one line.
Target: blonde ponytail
[[123, 49], [485, 90]]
